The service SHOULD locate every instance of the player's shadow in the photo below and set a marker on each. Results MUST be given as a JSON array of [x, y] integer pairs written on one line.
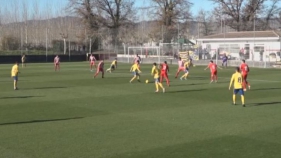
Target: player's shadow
[[182, 91], [46, 88], [263, 89], [189, 84], [40, 121], [266, 103], [19, 97], [198, 78]]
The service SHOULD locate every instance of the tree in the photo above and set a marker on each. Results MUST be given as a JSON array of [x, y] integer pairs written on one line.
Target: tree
[[170, 13], [240, 14], [111, 14], [271, 12], [205, 23]]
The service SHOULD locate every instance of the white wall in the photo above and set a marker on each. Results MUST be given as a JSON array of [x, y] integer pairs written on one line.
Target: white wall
[[269, 47]]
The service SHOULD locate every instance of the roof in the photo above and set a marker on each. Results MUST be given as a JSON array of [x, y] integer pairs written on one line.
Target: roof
[[245, 34]]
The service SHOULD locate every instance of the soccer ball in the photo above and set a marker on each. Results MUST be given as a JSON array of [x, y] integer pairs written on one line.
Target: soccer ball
[[146, 81]]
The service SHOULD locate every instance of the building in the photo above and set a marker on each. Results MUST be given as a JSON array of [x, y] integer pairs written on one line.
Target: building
[[248, 45]]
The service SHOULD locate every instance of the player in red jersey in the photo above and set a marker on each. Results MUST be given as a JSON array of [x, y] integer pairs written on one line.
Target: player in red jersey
[[181, 67], [244, 71], [57, 63], [214, 73], [92, 62], [164, 73], [100, 69]]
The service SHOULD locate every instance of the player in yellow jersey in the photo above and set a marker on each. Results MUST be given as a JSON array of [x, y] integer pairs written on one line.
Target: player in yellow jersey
[[23, 60], [186, 66], [113, 66], [136, 71], [156, 72], [14, 75], [237, 80]]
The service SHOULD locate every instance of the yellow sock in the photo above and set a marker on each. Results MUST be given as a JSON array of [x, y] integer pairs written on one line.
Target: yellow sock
[[161, 86], [243, 99], [156, 85], [183, 76], [186, 75], [234, 98], [133, 78], [138, 77]]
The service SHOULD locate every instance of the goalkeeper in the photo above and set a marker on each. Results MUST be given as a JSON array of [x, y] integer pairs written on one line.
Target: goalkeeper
[[113, 66]]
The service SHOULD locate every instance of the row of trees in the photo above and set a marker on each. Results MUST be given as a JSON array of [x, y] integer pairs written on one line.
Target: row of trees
[[114, 22]]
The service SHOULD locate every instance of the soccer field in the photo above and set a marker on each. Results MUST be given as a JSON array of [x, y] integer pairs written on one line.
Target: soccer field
[[69, 114]]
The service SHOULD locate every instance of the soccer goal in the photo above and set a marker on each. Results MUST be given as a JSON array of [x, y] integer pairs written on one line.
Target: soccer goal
[[143, 52]]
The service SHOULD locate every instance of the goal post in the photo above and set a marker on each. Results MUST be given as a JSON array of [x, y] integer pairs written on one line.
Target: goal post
[[144, 52]]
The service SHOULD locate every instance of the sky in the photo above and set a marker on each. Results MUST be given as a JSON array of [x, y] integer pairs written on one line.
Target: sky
[[197, 4]]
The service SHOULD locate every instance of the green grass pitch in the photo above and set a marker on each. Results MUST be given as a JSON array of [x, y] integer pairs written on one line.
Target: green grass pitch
[[68, 114]]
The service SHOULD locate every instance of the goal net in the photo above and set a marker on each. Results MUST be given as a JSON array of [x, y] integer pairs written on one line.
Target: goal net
[[143, 52]]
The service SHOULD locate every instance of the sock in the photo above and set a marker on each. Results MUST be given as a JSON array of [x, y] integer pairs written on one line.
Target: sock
[[186, 75], [161, 85], [168, 82], [243, 99], [234, 98], [15, 85], [133, 78], [156, 85], [138, 77], [183, 76]]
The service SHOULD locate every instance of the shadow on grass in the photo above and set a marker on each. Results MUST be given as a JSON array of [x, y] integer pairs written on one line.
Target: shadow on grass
[[19, 97], [267, 103], [263, 89], [192, 90], [45, 88], [40, 121]]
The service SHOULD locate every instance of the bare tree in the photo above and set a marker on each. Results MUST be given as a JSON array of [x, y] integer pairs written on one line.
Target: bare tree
[[205, 23], [241, 14], [111, 14], [270, 13], [170, 13]]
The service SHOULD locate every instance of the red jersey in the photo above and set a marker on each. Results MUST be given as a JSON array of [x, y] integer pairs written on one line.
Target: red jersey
[[100, 64], [164, 68], [180, 63], [244, 68], [92, 58], [56, 60], [213, 67]]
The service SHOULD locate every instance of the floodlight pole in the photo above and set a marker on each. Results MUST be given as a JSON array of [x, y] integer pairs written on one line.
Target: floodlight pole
[[46, 44]]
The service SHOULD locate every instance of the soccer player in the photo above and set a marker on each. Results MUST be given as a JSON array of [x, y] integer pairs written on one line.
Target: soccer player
[[224, 61], [57, 63], [214, 73], [92, 62], [23, 60], [14, 75], [136, 71], [181, 67], [245, 70], [237, 80], [137, 58], [155, 72], [186, 69], [100, 69], [164, 73], [113, 66]]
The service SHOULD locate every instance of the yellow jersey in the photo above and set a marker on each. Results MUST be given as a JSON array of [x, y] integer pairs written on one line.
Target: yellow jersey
[[15, 70], [187, 65], [114, 62], [237, 79], [155, 71], [135, 67]]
